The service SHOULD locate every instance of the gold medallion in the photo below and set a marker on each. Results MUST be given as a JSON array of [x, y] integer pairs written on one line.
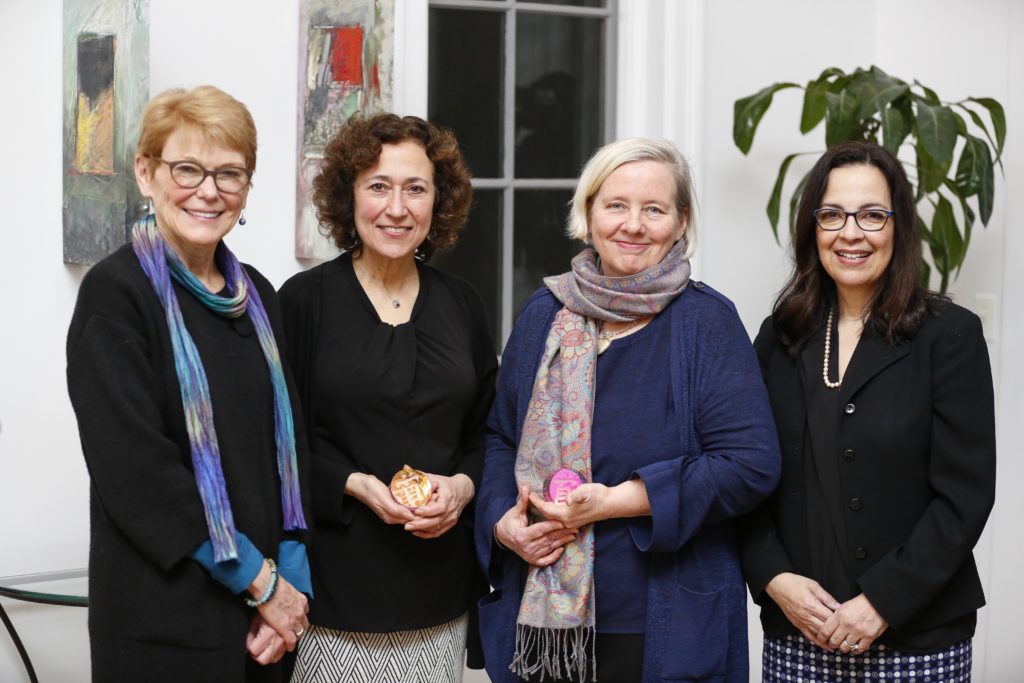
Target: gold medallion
[[411, 487]]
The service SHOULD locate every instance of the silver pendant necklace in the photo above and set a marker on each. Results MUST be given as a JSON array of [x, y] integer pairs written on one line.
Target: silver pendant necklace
[[396, 301]]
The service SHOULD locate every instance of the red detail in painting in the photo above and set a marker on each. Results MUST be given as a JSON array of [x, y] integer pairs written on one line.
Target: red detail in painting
[[376, 79], [347, 55]]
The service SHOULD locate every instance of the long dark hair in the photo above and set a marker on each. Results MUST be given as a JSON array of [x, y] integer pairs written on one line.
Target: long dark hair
[[900, 304]]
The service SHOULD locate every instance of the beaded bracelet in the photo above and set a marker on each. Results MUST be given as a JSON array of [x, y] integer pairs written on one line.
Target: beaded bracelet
[[271, 587]]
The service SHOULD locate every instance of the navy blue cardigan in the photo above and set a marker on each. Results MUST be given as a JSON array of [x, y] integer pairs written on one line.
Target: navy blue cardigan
[[728, 460]]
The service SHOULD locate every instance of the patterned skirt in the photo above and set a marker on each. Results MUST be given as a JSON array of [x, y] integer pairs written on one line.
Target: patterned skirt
[[794, 659], [428, 655]]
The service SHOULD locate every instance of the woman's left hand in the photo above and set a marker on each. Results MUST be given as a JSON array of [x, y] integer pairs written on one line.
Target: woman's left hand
[[595, 502], [854, 626], [263, 643], [449, 498]]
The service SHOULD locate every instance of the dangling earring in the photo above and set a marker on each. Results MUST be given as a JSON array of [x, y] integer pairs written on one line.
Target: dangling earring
[[241, 219]]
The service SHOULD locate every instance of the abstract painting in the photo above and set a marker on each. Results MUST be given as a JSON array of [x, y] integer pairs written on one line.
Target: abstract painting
[[106, 85], [346, 51]]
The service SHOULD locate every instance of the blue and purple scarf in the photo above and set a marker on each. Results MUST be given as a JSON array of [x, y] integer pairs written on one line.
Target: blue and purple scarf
[[161, 264]]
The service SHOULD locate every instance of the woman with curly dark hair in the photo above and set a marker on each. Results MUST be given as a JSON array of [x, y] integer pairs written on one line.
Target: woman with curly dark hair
[[396, 369], [862, 559]]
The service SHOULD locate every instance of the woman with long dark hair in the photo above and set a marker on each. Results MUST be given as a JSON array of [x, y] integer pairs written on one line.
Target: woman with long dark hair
[[882, 394]]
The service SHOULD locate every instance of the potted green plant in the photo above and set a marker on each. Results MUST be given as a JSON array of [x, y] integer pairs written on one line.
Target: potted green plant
[[869, 104]]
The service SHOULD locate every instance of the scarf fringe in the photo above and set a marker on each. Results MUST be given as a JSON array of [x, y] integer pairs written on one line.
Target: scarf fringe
[[563, 653]]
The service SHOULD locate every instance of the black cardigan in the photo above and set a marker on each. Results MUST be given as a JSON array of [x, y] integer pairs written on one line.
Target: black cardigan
[[154, 613], [916, 460]]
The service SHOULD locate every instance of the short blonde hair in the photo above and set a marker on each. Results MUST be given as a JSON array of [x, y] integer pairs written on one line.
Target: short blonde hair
[[206, 109], [608, 158]]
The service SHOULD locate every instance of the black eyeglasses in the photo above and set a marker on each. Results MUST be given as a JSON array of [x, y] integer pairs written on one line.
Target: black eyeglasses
[[868, 220], [190, 175]]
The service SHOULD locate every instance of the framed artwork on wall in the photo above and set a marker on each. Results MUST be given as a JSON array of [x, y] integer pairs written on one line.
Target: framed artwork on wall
[[346, 55], [106, 85]]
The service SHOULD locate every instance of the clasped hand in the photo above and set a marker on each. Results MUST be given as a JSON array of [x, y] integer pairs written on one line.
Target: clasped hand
[[448, 498], [278, 623], [539, 544], [850, 627]]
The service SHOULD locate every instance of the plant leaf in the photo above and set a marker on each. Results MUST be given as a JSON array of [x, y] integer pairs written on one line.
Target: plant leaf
[[980, 123], [875, 90], [814, 106], [896, 125], [964, 207], [930, 174], [841, 123], [747, 113], [936, 129], [961, 125], [814, 98], [929, 95], [975, 167], [776, 196], [987, 192], [945, 229], [794, 201], [995, 111]]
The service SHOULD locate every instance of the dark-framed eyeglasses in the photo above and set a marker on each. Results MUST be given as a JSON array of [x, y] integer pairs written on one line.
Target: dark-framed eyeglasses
[[868, 220], [190, 175]]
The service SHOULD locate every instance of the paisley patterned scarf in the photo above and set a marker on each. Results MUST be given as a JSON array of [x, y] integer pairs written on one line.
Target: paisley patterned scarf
[[555, 629], [160, 264]]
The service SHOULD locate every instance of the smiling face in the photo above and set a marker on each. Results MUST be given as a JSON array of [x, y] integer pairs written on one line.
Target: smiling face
[[394, 201], [192, 220], [633, 217], [854, 259]]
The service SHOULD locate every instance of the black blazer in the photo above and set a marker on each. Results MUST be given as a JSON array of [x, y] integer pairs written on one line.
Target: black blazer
[[916, 461]]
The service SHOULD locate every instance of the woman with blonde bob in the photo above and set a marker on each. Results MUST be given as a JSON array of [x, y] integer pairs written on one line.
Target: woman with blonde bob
[[197, 564], [640, 385]]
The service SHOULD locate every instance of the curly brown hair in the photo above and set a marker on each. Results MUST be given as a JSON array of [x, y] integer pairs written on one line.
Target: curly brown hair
[[357, 147]]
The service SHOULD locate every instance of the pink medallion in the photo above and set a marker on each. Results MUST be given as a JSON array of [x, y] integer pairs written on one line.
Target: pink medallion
[[559, 484]]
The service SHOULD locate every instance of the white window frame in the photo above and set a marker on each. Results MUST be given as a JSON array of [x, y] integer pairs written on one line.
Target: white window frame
[[654, 89]]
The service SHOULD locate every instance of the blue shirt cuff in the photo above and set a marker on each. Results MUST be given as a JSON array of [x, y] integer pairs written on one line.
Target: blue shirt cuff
[[293, 565], [237, 574]]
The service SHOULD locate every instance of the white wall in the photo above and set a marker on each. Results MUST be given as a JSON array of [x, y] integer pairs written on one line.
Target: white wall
[[684, 62]]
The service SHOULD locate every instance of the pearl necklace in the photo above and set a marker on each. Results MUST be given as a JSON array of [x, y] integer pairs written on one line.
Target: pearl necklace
[[605, 339], [828, 349]]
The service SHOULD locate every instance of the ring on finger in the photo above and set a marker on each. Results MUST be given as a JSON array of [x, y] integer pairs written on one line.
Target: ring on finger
[[301, 632], [854, 647]]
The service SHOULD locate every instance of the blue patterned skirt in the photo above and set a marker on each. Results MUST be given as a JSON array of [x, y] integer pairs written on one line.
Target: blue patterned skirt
[[794, 659]]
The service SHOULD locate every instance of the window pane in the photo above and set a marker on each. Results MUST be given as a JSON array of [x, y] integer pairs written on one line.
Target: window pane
[[540, 245], [559, 93], [477, 256], [576, 3], [465, 91]]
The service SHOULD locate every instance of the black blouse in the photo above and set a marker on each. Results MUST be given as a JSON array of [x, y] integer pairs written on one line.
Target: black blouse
[[379, 397], [826, 519]]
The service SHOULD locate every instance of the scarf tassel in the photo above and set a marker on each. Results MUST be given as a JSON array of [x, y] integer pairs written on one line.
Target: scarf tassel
[[563, 653]]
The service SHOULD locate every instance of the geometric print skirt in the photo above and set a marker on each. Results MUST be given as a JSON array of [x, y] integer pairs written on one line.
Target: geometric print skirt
[[428, 655], [794, 659]]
